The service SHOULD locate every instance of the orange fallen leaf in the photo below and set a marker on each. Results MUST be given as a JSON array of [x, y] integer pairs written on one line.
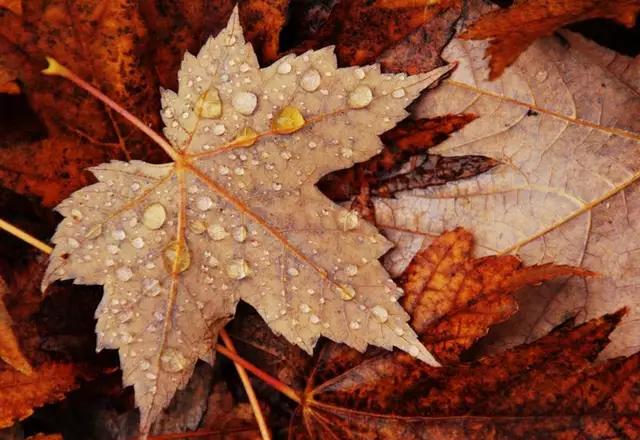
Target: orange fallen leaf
[[21, 394], [10, 351], [512, 30], [454, 299]]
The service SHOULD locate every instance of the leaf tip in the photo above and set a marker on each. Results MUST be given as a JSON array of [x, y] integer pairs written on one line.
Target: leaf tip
[[54, 68]]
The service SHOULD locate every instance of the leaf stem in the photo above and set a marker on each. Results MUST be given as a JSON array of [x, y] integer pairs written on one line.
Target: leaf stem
[[265, 377], [57, 69], [251, 394], [25, 236]]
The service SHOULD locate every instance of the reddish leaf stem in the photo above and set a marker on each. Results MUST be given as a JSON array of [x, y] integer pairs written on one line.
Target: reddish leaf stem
[[57, 69], [265, 377], [251, 394]]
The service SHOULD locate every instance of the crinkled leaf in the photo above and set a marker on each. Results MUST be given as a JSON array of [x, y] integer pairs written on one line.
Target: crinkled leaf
[[564, 128]]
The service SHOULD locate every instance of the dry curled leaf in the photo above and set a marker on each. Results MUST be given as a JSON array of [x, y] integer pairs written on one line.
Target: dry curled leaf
[[454, 299], [512, 30], [563, 127], [48, 383], [548, 389], [237, 216]]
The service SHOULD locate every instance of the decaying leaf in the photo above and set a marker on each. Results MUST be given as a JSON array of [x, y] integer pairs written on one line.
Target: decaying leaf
[[21, 393], [100, 40], [408, 139], [564, 129], [512, 30], [548, 389], [402, 35], [10, 351], [237, 216], [454, 299]]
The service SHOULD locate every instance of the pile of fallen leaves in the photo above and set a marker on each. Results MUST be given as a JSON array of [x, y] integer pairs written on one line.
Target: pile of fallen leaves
[[526, 141]]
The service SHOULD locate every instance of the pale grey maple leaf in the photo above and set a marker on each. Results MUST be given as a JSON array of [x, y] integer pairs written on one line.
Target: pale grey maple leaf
[[563, 120], [238, 216]]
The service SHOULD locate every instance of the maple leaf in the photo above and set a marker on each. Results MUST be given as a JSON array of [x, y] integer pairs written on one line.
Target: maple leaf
[[562, 126], [454, 299], [20, 393], [9, 347], [237, 216], [548, 389], [512, 30]]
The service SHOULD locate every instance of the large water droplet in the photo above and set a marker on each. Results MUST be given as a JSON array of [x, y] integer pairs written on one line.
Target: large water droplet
[[94, 232], [238, 269], [137, 243], [154, 216], [360, 97], [124, 273], [398, 93], [172, 360], [380, 313], [176, 256], [151, 286], [204, 203], [310, 80], [284, 68], [346, 291], [118, 234], [217, 232], [246, 138], [288, 120], [349, 220], [244, 102], [351, 270], [240, 234], [304, 308], [76, 215], [209, 104]]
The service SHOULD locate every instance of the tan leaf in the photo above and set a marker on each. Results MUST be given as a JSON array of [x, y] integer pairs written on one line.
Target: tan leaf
[[238, 216], [21, 394], [10, 351], [566, 130]]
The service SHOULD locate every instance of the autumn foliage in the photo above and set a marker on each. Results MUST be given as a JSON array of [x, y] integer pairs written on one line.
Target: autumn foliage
[[529, 308]]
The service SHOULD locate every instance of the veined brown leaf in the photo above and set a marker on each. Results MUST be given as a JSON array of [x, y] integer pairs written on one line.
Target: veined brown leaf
[[237, 216], [565, 128], [10, 351]]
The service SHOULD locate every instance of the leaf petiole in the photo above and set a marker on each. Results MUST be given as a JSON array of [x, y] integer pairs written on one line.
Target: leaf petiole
[[56, 69]]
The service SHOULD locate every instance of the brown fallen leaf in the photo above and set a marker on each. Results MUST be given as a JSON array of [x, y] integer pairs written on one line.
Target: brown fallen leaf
[[48, 383], [547, 389], [10, 351], [194, 236], [566, 189], [101, 40], [391, 32], [454, 299], [403, 165], [510, 31]]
